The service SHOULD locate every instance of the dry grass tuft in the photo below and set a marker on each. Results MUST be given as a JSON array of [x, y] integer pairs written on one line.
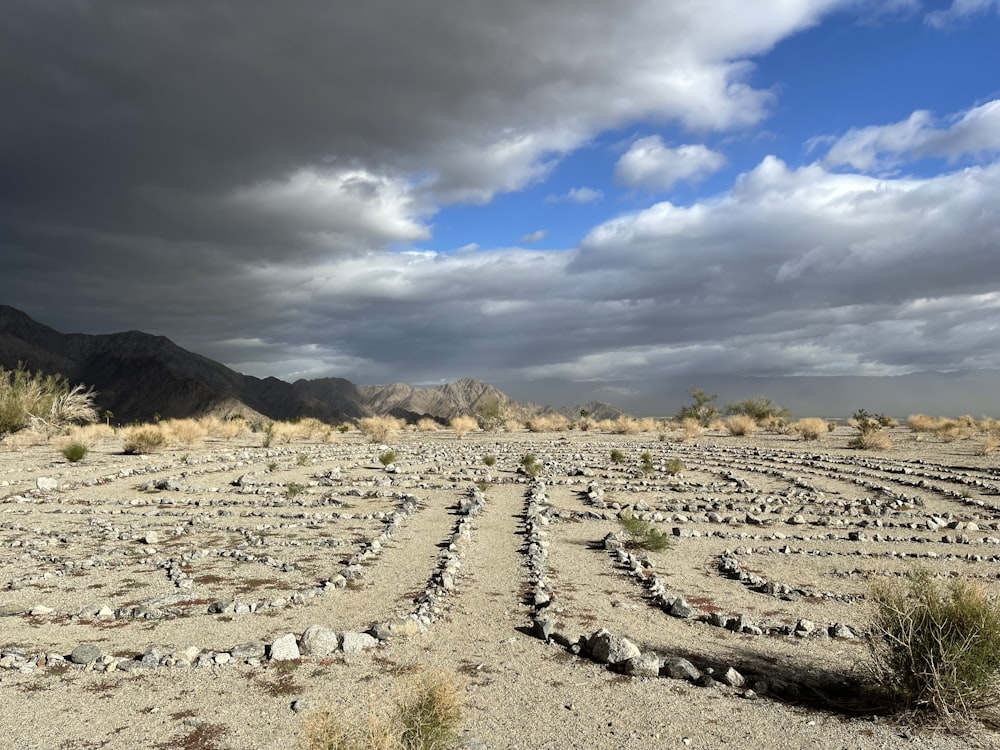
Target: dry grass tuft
[[871, 441], [811, 428], [428, 425], [548, 423], [184, 432], [89, 434], [143, 439], [463, 425], [989, 446], [741, 424], [427, 716], [692, 429]]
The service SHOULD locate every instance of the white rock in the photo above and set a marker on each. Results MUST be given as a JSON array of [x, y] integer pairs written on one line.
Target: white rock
[[285, 648]]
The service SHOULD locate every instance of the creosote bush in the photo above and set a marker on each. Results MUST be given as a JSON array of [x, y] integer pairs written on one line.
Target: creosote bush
[[490, 460], [617, 456], [870, 435], [673, 466], [387, 457], [935, 646], [427, 716], [532, 467], [644, 535]]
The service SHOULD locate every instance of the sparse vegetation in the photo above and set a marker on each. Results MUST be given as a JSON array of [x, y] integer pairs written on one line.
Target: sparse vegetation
[[644, 535], [143, 439], [426, 424], [491, 413], [673, 466], [763, 411], [811, 428], [302, 459], [741, 424], [387, 457], [380, 429], [489, 460], [45, 403], [531, 466], [427, 716], [646, 462], [935, 646], [548, 423], [703, 410], [74, 452], [463, 425], [293, 489], [870, 435], [617, 456], [692, 429]]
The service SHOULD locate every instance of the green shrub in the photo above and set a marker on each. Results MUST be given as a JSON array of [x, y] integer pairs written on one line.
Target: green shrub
[[703, 410], [935, 647], [74, 452], [673, 466], [531, 465], [617, 456], [490, 460], [644, 535], [387, 457], [293, 489], [647, 462]]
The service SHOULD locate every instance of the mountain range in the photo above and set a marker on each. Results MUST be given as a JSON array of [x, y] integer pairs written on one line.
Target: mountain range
[[138, 375]]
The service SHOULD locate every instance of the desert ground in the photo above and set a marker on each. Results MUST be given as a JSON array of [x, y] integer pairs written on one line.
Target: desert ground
[[175, 579]]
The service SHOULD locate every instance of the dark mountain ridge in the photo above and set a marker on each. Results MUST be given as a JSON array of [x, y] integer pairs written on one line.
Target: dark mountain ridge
[[137, 375]]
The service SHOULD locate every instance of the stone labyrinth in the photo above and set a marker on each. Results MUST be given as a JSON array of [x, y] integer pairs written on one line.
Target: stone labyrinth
[[230, 554]]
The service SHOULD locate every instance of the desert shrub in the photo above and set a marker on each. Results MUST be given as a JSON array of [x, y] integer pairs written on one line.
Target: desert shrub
[[673, 466], [617, 456], [491, 413], [89, 434], [935, 647], [646, 464], [644, 535], [490, 460], [989, 446], [387, 457], [380, 429], [762, 410], [302, 459], [922, 423], [548, 423], [46, 403], [811, 428], [463, 425], [293, 489], [870, 435], [426, 424], [584, 424], [531, 465], [225, 429], [703, 410], [512, 424], [183, 431], [692, 428], [741, 424], [427, 716], [74, 452], [143, 439]]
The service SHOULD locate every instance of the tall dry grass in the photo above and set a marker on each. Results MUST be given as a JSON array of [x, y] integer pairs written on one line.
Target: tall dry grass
[[741, 425], [463, 425], [548, 423], [380, 429]]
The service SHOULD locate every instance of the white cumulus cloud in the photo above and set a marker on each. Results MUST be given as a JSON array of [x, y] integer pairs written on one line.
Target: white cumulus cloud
[[650, 164]]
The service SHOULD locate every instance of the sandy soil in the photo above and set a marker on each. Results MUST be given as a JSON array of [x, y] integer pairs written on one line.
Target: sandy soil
[[107, 538]]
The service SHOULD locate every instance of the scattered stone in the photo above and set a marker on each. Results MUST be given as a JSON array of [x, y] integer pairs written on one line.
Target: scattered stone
[[85, 653], [47, 484], [680, 669], [644, 665], [606, 648], [355, 643], [319, 640], [284, 648]]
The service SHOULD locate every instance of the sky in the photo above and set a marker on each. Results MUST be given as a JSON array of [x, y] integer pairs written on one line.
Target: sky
[[574, 190]]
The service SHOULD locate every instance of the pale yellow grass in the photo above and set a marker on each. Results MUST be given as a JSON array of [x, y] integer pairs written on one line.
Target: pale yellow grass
[[380, 429], [463, 425], [548, 423], [741, 424], [428, 425], [811, 428]]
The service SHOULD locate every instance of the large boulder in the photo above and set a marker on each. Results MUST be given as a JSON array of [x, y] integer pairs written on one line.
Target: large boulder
[[607, 648], [320, 641]]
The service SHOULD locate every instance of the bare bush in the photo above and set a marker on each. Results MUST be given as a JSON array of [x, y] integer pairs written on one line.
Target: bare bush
[[143, 439], [183, 431], [428, 425], [548, 423], [463, 425], [692, 428], [989, 446]]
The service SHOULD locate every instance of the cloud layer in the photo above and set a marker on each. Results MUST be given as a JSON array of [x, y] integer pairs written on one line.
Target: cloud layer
[[263, 183]]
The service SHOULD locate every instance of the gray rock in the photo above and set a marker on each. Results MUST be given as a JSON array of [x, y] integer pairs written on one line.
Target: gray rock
[[839, 630], [680, 608], [250, 650], [606, 648], [284, 648], [47, 484], [644, 665], [680, 669], [85, 653], [318, 640], [355, 643]]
